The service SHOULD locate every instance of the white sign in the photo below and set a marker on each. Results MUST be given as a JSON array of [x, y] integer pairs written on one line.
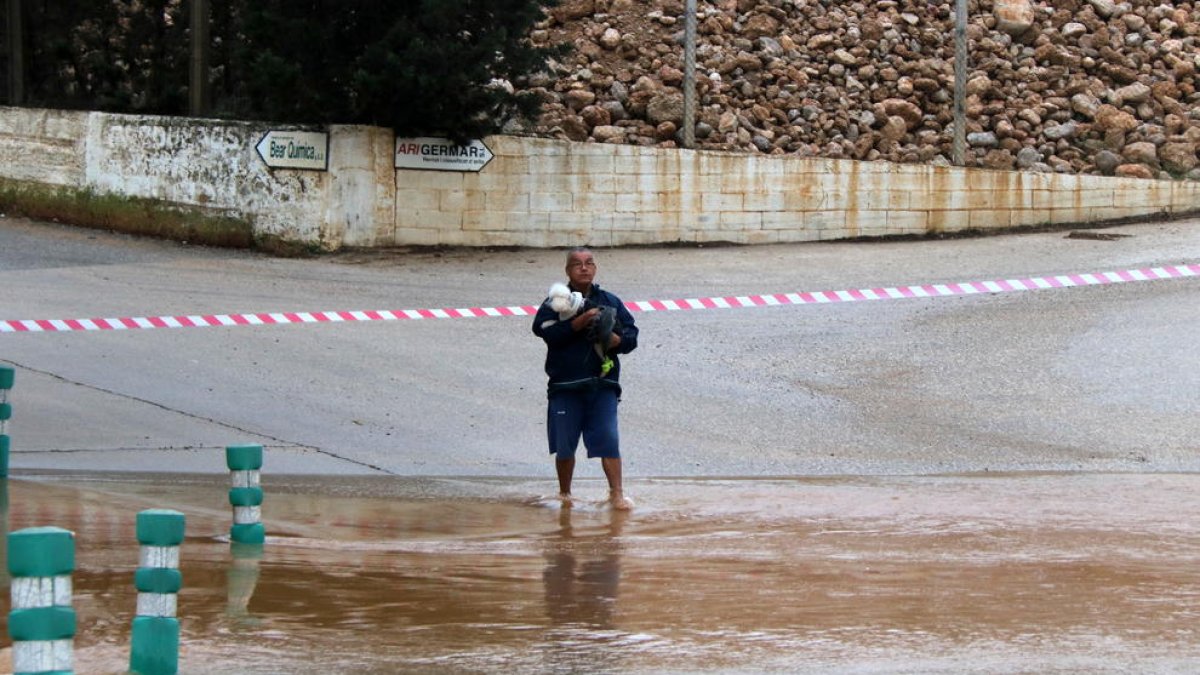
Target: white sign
[[295, 150], [440, 154]]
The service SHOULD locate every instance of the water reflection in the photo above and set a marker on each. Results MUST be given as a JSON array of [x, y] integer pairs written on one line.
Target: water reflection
[[948, 574], [583, 573], [4, 535], [241, 580]]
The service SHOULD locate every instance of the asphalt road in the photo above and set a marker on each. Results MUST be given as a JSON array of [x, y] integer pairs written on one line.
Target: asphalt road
[[1103, 378]]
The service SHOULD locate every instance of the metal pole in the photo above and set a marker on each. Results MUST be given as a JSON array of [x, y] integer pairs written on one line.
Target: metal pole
[[689, 77], [198, 91], [960, 82], [16, 54]]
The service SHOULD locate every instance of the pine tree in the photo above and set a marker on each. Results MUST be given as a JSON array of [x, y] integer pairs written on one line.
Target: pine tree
[[420, 67]]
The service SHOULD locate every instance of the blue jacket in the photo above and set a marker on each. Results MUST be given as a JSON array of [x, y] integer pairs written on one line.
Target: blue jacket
[[571, 360]]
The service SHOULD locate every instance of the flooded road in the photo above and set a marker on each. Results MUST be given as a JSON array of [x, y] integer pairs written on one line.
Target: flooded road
[[890, 562], [982, 573]]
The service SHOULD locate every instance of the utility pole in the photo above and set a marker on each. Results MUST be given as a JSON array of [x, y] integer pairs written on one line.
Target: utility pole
[[198, 90], [16, 54], [960, 82], [689, 77]]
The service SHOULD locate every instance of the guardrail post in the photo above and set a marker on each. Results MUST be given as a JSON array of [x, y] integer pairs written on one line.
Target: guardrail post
[[155, 643], [42, 621], [7, 374], [246, 495]]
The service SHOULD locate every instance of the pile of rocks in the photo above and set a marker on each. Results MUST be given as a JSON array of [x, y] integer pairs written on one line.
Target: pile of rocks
[[1073, 86]]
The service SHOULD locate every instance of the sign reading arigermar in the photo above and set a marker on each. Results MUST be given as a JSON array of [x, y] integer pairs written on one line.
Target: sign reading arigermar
[[440, 154], [295, 150]]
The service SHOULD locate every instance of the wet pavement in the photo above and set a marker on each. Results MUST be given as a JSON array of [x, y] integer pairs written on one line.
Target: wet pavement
[[979, 573], [999, 483], [1103, 378]]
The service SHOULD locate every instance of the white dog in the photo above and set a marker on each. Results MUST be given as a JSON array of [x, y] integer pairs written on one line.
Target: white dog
[[564, 301]]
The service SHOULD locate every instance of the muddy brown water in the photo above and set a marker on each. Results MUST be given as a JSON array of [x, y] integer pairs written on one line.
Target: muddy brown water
[[1032, 573]]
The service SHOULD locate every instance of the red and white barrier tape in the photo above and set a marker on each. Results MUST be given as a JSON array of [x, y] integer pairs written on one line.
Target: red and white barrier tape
[[816, 297]]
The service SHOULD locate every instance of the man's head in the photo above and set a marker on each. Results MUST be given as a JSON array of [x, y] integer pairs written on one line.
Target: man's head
[[581, 268]]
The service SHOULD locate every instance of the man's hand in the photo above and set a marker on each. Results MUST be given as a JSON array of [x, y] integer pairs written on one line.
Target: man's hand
[[584, 320], [614, 341]]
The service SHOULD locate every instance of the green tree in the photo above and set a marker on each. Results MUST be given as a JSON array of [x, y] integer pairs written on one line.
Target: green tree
[[419, 66], [60, 71], [121, 56], [152, 48]]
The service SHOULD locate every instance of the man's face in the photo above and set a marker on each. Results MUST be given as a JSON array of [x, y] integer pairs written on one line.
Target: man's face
[[581, 269]]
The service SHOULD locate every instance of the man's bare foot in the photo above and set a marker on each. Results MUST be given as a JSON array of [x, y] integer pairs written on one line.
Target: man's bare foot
[[564, 498], [619, 501]]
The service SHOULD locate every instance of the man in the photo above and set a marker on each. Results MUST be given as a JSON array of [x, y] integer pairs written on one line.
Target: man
[[584, 333]]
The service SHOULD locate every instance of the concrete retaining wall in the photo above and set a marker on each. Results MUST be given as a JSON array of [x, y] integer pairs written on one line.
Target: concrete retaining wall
[[538, 192]]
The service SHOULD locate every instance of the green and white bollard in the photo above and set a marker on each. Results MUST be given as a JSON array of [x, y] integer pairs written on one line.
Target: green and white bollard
[[42, 621], [155, 642], [7, 374], [246, 495]]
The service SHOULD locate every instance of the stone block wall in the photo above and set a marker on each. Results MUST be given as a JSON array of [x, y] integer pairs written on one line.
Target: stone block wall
[[539, 192], [548, 193], [43, 146]]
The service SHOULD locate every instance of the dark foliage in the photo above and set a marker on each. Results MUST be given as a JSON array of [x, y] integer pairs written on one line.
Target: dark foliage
[[418, 66], [121, 56]]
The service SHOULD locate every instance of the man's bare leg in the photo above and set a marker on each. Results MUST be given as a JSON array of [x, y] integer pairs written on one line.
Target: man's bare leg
[[616, 493], [566, 471]]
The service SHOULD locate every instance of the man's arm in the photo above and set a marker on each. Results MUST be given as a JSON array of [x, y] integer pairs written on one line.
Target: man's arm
[[625, 339], [557, 332]]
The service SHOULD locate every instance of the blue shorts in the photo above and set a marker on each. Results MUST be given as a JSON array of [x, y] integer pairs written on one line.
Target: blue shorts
[[591, 414]]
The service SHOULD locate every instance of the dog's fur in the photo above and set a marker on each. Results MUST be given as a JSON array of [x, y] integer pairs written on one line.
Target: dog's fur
[[564, 301]]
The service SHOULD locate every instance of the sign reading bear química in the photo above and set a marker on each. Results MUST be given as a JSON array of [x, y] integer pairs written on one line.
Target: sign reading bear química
[[295, 150]]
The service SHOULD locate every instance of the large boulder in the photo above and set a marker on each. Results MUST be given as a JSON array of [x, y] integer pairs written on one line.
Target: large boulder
[[611, 39], [998, 159], [906, 109], [596, 116], [1057, 132], [572, 10], [1107, 162], [609, 134], [574, 128], [1014, 17], [1141, 153], [982, 139], [578, 99], [894, 130], [1104, 8], [760, 25], [1027, 157], [1134, 171], [665, 107], [1178, 158], [1110, 118], [1085, 104], [1133, 93]]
